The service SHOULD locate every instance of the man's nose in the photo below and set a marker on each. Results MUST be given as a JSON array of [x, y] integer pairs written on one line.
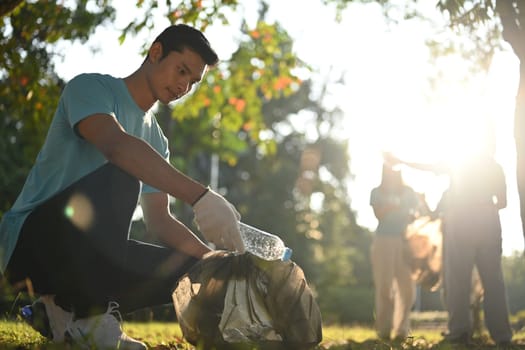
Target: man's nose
[[184, 86]]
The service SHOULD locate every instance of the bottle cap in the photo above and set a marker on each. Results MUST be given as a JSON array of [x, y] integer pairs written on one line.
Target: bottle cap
[[287, 254], [27, 312]]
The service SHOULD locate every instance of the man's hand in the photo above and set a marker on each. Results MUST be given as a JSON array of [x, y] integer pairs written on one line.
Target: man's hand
[[218, 220], [390, 159]]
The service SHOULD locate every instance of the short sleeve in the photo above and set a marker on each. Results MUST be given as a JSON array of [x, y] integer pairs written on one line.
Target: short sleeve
[[85, 95]]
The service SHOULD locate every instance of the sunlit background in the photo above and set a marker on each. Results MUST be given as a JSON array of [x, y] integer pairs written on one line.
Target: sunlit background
[[386, 102]]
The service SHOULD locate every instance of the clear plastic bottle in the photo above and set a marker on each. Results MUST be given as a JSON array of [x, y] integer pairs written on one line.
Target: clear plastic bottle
[[265, 245]]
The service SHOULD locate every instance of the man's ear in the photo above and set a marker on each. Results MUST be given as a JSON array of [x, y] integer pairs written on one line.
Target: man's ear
[[155, 52]]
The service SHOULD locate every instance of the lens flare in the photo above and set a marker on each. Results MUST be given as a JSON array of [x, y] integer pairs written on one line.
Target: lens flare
[[79, 210]]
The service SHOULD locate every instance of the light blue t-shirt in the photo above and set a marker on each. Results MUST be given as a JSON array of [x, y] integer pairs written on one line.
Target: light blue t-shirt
[[395, 222], [65, 157]]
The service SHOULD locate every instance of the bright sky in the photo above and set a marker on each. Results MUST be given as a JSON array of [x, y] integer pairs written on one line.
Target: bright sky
[[385, 72]]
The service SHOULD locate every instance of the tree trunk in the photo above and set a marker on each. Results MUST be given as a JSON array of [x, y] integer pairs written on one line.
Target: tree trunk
[[512, 15], [519, 136]]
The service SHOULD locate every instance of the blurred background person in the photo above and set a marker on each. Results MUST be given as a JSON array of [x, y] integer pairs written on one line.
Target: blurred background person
[[472, 239], [395, 206]]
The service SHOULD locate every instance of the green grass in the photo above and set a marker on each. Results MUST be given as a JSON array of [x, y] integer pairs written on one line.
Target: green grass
[[15, 334]]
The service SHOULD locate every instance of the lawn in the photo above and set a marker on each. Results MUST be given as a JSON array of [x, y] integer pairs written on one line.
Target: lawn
[[15, 334]]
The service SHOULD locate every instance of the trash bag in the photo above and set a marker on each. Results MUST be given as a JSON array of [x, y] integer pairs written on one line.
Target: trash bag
[[422, 250], [228, 300]]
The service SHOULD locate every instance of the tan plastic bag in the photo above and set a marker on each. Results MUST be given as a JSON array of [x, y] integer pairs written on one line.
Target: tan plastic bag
[[229, 299], [422, 250]]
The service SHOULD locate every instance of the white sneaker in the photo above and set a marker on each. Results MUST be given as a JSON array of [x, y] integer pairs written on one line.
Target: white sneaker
[[47, 318], [102, 332]]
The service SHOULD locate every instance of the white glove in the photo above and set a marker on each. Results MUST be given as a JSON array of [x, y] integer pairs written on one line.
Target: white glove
[[218, 220]]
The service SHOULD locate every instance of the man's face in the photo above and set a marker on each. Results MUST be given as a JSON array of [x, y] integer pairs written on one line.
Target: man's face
[[174, 75]]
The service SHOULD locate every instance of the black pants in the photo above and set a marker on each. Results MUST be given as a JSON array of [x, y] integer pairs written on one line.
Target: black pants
[[76, 246]]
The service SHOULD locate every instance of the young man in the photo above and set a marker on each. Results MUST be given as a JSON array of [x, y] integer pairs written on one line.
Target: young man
[[68, 231]]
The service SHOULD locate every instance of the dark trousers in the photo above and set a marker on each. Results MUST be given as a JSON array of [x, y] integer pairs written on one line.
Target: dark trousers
[[76, 246]]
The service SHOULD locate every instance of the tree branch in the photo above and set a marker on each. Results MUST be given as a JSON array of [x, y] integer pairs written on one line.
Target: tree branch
[[513, 25], [6, 6]]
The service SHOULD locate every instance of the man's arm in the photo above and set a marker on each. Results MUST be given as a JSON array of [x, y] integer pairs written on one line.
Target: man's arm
[[166, 228], [216, 218], [439, 168], [137, 157]]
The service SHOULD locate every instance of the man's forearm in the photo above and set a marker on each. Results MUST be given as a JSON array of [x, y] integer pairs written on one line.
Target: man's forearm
[[140, 160], [175, 234]]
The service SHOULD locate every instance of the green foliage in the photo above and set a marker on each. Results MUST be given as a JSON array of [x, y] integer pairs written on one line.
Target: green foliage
[[474, 41], [468, 12], [230, 101], [347, 304], [193, 12], [514, 276], [29, 87], [344, 284], [7, 6]]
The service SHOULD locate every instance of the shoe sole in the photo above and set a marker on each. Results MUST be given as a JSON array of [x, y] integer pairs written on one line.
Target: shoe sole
[[36, 316]]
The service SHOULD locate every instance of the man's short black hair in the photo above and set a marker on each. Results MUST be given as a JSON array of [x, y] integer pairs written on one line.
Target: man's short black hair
[[179, 36]]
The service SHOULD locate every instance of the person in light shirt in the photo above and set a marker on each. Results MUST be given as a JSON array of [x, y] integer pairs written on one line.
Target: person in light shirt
[[395, 206]]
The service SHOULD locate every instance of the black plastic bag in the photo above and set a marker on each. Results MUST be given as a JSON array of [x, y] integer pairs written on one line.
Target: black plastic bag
[[227, 301]]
